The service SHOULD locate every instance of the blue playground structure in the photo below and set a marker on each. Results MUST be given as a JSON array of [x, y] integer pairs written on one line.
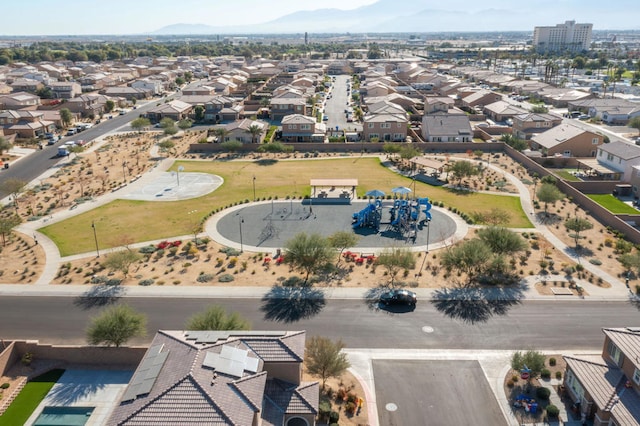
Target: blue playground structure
[[369, 217]]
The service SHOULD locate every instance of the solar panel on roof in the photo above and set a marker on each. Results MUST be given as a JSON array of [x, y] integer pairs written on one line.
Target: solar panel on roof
[[145, 376]]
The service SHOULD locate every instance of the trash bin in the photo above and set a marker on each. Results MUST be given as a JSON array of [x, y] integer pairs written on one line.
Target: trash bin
[[6, 165]]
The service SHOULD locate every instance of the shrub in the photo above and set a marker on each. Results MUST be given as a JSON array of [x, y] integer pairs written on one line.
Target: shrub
[[324, 410], [552, 361], [225, 278], [147, 249], [558, 375], [510, 383], [543, 393], [204, 278], [552, 411], [545, 374], [350, 407], [5, 385], [341, 395], [334, 416], [146, 282], [594, 261]]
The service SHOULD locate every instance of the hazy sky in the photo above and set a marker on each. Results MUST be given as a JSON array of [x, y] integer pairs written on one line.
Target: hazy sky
[[52, 17]]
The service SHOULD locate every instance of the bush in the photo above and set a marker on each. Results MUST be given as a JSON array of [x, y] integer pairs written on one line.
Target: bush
[[543, 393], [552, 411], [594, 261], [204, 278], [5, 385], [147, 249], [545, 374], [225, 278], [334, 416], [146, 282], [558, 375], [552, 361]]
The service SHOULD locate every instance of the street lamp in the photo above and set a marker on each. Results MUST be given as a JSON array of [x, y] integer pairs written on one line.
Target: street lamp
[[95, 237], [240, 222], [124, 171], [254, 188], [428, 229]]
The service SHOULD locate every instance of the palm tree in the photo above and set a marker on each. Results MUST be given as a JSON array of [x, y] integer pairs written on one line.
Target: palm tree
[[255, 132], [221, 133]]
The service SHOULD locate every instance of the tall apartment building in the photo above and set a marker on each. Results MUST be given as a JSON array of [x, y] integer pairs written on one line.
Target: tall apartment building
[[569, 36]]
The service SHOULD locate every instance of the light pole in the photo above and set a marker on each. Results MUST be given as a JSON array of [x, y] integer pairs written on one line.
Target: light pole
[[240, 222], [124, 171], [254, 188], [95, 237], [428, 229]]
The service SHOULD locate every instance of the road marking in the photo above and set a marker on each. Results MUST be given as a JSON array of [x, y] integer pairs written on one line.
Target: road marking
[[427, 329], [391, 406]]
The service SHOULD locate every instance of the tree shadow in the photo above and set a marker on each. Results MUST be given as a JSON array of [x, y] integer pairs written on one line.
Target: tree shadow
[[548, 218], [99, 295], [291, 304], [84, 384], [580, 251], [266, 162], [475, 304], [372, 300]]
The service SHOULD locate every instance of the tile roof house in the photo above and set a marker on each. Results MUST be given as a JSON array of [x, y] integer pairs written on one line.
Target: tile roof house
[[240, 131], [502, 110], [606, 388], [18, 100], [25, 124], [525, 126], [619, 157], [567, 140], [176, 110], [446, 128], [243, 378], [480, 97], [385, 121], [88, 105], [302, 128]]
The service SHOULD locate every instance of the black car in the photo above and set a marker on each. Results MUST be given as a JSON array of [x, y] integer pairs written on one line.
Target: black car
[[398, 297]]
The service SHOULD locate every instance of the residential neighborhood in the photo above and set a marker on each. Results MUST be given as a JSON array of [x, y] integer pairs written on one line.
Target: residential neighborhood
[[297, 229]]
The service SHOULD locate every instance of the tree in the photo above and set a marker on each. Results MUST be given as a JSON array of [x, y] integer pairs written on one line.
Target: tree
[[533, 360], [116, 325], [172, 130], [408, 152], [255, 132], [220, 133], [66, 116], [470, 257], [396, 259], [502, 240], [185, 124], [231, 146], [548, 194], [634, 123], [514, 142], [628, 260], [216, 318], [577, 225], [342, 240], [7, 223], [198, 112], [5, 145], [462, 169], [539, 109], [325, 358], [496, 216], [391, 148], [167, 122], [140, 123], [14, 188], [308, 253], [121, 261], [109, 106], [180, 81], [166, 145]]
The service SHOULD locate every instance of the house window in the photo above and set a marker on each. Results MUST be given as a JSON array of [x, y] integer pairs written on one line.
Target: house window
[[374, 135], [385, 125], [293, 126], [305, 127], [370, 125], [636, 376], [398, 125], [614, 353], [609, 157], [575, 385], [537, 124], [567, 153], [298, 108], [595, 141]]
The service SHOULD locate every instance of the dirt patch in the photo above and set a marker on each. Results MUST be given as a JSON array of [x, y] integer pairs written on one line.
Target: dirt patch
[[21, 259]]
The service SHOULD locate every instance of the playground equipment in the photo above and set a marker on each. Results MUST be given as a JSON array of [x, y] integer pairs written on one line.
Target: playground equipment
[[406, 215], [369, 217]]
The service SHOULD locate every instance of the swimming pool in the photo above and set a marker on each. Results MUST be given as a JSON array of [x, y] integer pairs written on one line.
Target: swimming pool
[[64, 416]]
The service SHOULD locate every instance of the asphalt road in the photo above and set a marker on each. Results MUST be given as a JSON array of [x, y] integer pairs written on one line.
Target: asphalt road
[[434, 393], [29, 168], [552, 325], [335, 106]]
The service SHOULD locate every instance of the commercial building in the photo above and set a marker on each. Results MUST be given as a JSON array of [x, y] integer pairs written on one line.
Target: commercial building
[[569, 36]]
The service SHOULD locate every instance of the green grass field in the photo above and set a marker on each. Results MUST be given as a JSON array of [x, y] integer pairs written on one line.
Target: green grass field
[[123, 221], [566, 175], [29, 398], [612, 204]]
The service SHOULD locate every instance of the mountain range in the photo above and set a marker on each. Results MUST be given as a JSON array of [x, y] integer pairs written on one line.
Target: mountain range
[[386, 16]]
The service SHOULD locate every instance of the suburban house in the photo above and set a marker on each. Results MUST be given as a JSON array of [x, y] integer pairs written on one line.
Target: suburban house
[[153, 86], [222, 108], [87, 105], [26, 85], [19, 100], [567, 140], [525, 126], [620, 115], [25, 124], [446, 128], [480, 98], [619, 158], [617, 111], [403, 101], [385, 121], [175, 110], [243, 378], [281, 106], [241, 131], [502, 110], [605, 388], [302, 128], [561, 97], [435, 104], [198, 90], [126, 92], [65, 89]]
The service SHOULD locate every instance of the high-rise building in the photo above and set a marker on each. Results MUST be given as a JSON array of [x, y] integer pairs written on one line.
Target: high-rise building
[[569, 36]]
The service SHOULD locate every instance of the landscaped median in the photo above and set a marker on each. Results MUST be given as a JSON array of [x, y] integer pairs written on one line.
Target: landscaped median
[[123, 222]]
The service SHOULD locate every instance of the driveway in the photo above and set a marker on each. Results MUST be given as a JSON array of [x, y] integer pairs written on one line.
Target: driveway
[[434, 392]]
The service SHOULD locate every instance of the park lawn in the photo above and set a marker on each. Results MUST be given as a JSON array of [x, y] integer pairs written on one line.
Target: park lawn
[[125, 221], [612, 204], [29, 398]]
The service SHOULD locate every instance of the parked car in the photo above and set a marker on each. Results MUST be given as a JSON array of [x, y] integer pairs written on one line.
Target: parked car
[[325, 118], [398, 297], [71, 132]]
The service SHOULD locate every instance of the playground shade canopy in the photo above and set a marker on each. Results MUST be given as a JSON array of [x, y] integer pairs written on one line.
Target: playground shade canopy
[[428, 163], [334, 182], [401, 190], [375, 193]]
